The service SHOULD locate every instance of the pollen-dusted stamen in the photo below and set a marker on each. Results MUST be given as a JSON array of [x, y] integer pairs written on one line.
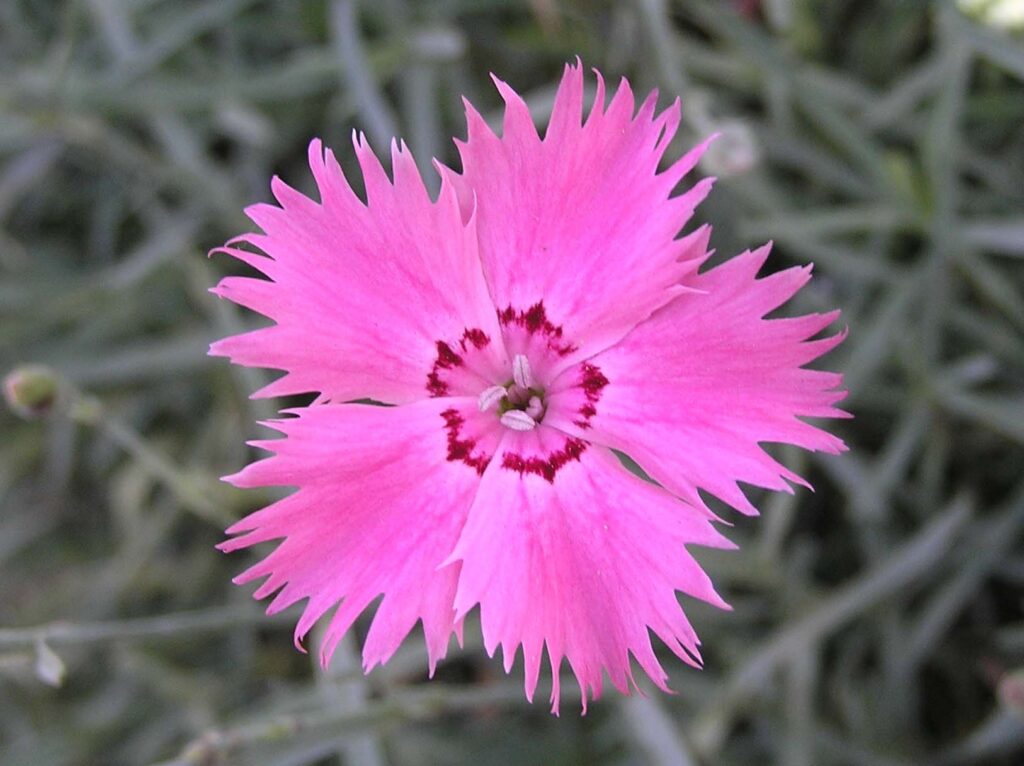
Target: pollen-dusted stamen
[[521, 403], [491, 396], [521, 372], [518, 420]]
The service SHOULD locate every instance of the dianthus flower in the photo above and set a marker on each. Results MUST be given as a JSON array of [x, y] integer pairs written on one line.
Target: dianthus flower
[[536, 317]]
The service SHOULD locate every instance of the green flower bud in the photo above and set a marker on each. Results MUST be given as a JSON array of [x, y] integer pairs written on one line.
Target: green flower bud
[[31, 390]]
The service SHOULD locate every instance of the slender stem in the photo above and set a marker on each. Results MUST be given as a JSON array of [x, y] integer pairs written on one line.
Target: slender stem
[[408, 704], [654, 732], [890, 577], [89, 411], [380, 120], [221, 618]]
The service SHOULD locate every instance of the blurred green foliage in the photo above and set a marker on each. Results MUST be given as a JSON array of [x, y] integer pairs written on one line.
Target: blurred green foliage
[[877, 620]]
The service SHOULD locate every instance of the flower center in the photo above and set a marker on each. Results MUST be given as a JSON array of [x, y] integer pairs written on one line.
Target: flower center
[[520, 402], [536, 388]]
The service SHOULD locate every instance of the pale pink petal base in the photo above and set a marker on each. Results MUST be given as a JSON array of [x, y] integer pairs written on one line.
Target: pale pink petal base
[[585, 566], [696, 389], [378, 510]]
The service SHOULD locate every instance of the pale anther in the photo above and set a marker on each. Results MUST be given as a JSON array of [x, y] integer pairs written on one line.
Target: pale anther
[[489, 397], [518, 420], [521, 371]]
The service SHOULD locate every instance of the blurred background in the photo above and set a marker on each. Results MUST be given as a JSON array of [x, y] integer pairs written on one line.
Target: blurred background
[[877, 620]]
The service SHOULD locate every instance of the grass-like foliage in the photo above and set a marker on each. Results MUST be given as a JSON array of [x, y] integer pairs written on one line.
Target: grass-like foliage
[[877, 620]]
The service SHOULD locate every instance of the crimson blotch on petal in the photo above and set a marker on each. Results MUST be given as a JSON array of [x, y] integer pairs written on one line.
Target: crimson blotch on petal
[[545, 310]]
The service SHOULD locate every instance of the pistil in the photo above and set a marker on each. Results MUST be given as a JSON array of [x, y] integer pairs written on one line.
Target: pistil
[[535, 408]]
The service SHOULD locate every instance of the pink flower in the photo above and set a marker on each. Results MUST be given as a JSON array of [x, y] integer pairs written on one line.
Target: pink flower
[[540, 314]]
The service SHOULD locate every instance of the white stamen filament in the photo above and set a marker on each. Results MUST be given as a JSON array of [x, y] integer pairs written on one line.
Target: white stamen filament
[[521, 373], [518, 420], [490, 397]]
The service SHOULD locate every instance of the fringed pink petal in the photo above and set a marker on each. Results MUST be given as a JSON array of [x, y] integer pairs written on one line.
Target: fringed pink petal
[[585, 565], [694, 391], [582, 221], [380, 503], [361, 294]]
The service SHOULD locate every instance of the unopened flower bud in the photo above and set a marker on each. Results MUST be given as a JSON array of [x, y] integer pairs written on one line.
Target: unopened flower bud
[[1011, 691], [31, 390], [734, 152]]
